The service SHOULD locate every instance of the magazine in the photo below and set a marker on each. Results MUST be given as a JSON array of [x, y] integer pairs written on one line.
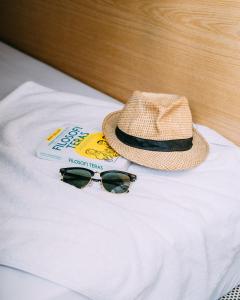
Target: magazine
[[83, 147]]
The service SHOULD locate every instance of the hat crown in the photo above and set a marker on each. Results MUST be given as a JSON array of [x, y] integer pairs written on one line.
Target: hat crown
[[156, 116]]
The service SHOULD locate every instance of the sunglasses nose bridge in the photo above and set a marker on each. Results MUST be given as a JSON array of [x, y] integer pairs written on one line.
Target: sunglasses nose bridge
[[97, 173], [96, 177], [96, 180]]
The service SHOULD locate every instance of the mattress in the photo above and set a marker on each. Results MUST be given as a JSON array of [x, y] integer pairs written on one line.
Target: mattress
[[214, 207]]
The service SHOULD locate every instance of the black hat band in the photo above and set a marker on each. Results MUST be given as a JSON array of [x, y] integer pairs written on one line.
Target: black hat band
[[153, 145]]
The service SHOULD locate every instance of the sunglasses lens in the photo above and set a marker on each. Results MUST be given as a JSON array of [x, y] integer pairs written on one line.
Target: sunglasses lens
[[116, 182], [77, 177]]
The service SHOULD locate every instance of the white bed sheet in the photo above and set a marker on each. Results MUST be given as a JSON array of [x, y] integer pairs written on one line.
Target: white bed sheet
[[49, 291], [15, 69]]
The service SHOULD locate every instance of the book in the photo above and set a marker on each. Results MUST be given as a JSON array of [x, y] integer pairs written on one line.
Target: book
[[82, 147]]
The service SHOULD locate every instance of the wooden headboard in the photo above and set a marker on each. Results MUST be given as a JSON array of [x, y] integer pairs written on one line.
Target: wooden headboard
[[184, 47]]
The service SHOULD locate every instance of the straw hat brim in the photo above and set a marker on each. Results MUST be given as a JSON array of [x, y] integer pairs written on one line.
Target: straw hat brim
[[177, 160]]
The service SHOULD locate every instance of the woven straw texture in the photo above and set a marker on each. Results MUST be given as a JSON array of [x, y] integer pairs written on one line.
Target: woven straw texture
[[233, 295], [156, 117]]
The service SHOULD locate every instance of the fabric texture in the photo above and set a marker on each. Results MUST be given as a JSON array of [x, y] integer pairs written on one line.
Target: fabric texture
[[153, 130], [174, 236], [153, 145]]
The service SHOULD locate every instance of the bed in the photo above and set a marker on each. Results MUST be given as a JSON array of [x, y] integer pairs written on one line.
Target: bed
[[176, 235], [17, 68]]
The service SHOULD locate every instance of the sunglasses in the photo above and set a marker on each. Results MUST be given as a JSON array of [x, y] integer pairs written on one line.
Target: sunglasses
[[113, 181]]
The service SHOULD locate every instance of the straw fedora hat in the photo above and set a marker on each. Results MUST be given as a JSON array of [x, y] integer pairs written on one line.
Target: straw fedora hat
[[156, 131]]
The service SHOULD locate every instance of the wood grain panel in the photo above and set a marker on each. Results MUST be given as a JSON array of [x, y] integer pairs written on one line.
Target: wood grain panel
[[184, 47]]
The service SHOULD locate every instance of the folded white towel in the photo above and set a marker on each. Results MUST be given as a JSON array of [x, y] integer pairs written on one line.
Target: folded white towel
[[175, 236]]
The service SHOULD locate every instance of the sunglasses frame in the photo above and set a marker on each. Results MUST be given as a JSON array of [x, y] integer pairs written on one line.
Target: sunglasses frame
[[132, 177]]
